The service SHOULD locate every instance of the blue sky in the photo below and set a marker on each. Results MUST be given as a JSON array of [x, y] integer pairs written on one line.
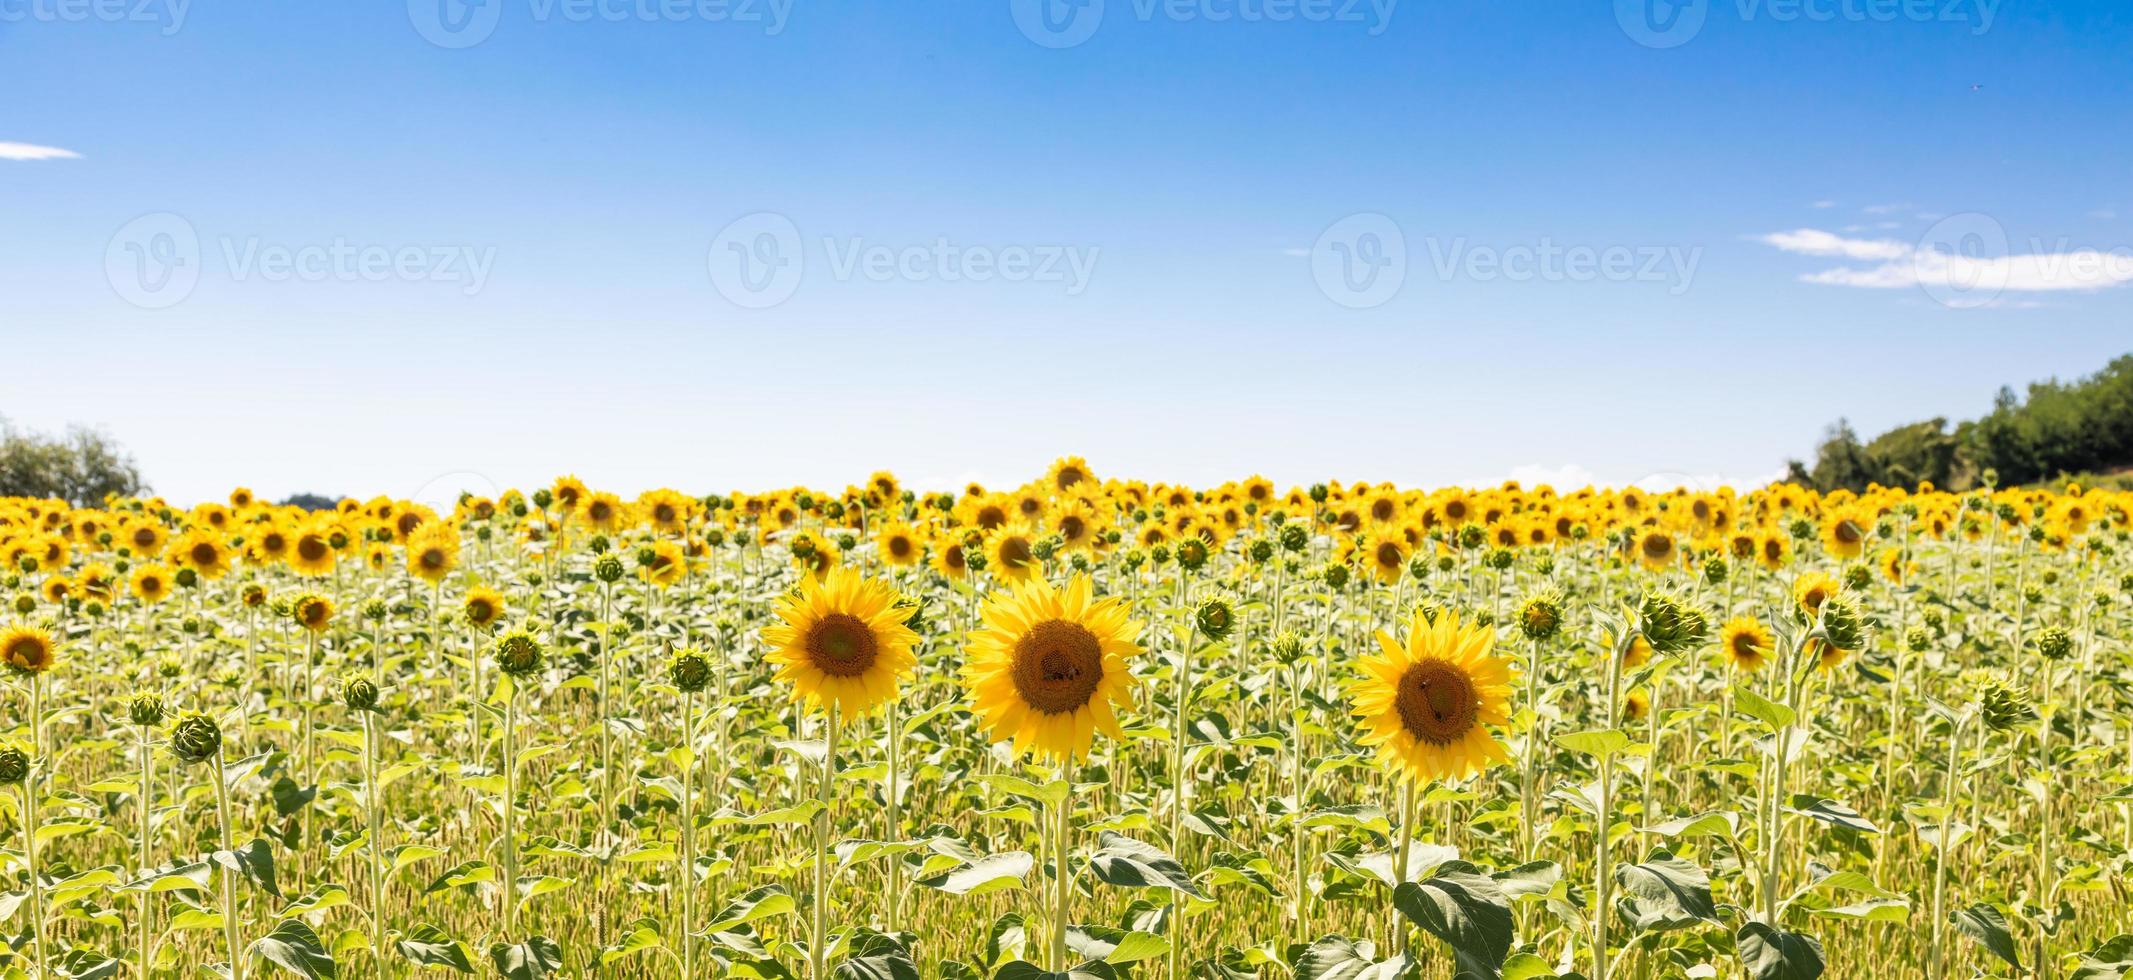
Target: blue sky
[[737, 245]]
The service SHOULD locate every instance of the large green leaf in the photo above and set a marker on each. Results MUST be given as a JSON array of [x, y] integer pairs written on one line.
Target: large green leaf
[[255, 861], [761, 903], [1341, 958], [1121, 860], [1988, 926], [295, 948], [1466, 909], [1768, 953], [2111, 961], [1023, 970], [881, 966], [1665, 892], [537, 957], [430, 946], [989, 873]]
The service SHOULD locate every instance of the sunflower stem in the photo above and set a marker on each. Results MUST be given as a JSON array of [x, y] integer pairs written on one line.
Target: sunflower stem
[[818, 948], [229, 875]]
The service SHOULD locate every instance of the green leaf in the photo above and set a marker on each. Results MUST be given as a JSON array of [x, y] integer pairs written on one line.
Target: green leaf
[[255, 861], [1773, 715], [295, 948], [467, 874], [1768, 953], [1831, 812], [880, 966], [428, 945], [989, 873], [537, 957], [1988, 926], [1467, 910], [1598, 742], [1665, 892], [1716, 823], [317, 900], [643, 934], [1049, 794], [1023, 970], [1136, 946], [531, 887], [762, 903], [2111, 961], [1341, 958], [1422, 859], [407, 854], [1121, 860]]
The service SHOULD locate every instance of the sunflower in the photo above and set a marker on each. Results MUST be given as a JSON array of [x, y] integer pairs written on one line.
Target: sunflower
[[1844, 533], [241, 498], [1772, 550], [1813, 589], [483, 607], [201, 550], [1656, 549], [568, 492], [668, 565], [602, 511], [842, 641], [1011, 552], [26, 649], [57, 589], [271, 544], [1079, 524], [1048, 668], [1388, 558], [433, 552], [1424, 703], [151, 583], [1069, 472], [312, 611], [898, 545], [1635, 705], [1745, 643], [312, 551], [1894, 567], [145, 538], [948, 558]]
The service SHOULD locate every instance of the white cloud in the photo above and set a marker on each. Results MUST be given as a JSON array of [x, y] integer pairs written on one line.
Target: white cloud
[[1824, 205], [1810, 241], [31, 151], [2104, 214], [1903, 265], [1884, 208]]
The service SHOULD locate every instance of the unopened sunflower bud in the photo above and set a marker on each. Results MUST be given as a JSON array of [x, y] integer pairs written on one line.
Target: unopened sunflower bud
[[2055, 643], [1296, 537], [1287, 648], [1842, 623], [1669, 624], [376, 610], [608, 569], [1541, 615], [1420, 566], [359, 693], [1715, 570], [1499, 558], [690, 670], [599, 545], [518, 653], [1335, 575], [1215, 619], [196, 738], [2001, 707], [1260, 551], [145, 709], [1917, 639], [1192, 554], [25, 604], [1471, 536], [14, 763], [1858, 577]]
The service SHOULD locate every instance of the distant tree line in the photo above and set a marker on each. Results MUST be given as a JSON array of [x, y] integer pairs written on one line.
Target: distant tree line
[[2057, 429], [81, 468]]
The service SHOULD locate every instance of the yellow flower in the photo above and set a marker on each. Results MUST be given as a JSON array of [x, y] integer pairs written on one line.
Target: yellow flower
[[1656, 549], [483, 607], [899, 547], [1813, 589], [312, 611], [432, 552], [668, 565], [1425, 702], [1069, 472], [26, 649], [202, 551], [841, 640], [1844, 533], [1048, 668], [312, 553], [1745, 643], [151, 583], [1010, 552]]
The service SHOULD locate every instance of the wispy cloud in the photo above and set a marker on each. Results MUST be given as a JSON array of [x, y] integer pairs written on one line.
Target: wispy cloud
[[1823, 205], [31, 151], [1901, 265], [1885, 208]]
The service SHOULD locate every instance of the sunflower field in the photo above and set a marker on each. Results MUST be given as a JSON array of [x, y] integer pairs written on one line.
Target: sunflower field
[[1080, 728]]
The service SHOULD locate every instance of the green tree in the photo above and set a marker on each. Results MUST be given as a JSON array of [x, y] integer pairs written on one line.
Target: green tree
[[81, 468]]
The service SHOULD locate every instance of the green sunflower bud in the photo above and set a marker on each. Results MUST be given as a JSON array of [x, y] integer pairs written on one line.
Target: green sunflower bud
[[1842, 623], [608, 568], [359, 693], [1858, 577], [196, 738], [2055, 643], [14, 763], [1335, 575], [145, 709], [1917, 639], [1715, 570], [2001, 707], [1296, 537], [1215, 619], [1669, 624], [518, 653], [1287, 648], [1541, 615], [690, 670]]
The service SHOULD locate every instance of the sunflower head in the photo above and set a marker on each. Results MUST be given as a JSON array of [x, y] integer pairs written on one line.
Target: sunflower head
[[26, 649], [689, 669], [483, 607], [14, 762], [841, 640], [1049, 667], [1745, 643], [1425, 701], [518, 653], [146, 709], [312, 611], [196, 738], [359, 693]]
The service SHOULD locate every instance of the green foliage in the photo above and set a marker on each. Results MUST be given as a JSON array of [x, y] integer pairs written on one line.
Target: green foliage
[[83, 468]]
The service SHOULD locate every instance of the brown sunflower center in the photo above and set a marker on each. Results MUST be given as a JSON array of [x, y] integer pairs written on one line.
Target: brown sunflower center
[[27, 653], [311, 549], [1658, 546], [1849, 533], [1747, 646], [433, 558], [1058, 665], [1388, 555], [1068, 476], [991, 516], [204, 554], [953, 556], [144, 537], [1437, 702], [900, 546], [841, 645], [1072, 527], [1015, 552], [1381, 510], [481, 610]]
